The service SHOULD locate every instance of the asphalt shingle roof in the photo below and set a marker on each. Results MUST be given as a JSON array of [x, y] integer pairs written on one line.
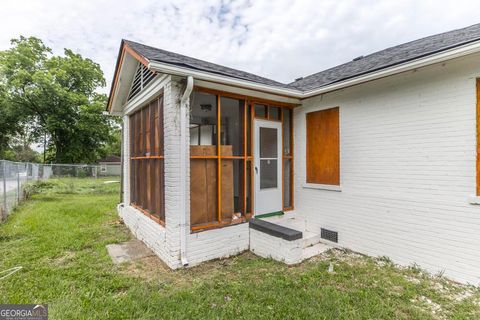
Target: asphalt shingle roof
[[159, 55], [390, 57], [370, 63]]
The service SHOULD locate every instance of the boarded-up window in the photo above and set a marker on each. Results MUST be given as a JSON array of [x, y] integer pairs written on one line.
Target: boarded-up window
[[146, 160], [323, 147]]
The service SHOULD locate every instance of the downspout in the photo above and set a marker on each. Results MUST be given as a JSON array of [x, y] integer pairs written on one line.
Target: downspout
[[184, 106]]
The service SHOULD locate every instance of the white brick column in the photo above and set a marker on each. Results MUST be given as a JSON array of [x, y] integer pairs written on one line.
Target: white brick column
[[171, 121]]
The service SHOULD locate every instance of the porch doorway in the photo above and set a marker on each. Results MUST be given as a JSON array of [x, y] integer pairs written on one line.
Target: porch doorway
[[268, 166]]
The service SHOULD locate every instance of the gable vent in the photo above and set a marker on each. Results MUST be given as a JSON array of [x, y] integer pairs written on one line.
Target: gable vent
[[329, 235], [142, 77]]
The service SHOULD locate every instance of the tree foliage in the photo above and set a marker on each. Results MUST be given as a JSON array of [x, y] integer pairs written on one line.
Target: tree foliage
[[54, 98]]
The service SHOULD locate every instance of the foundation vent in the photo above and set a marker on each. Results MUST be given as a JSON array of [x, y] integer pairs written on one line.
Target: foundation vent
[[329, 235]]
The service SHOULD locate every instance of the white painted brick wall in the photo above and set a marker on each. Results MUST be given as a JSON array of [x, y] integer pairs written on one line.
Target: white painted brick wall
[[172, 168], [268, 246], [408, 159], [217, 243], [148, 231], [165, 241]]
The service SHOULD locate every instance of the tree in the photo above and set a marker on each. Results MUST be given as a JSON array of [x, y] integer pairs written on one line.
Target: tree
[[10, 123], [113, 147], [58, 100]]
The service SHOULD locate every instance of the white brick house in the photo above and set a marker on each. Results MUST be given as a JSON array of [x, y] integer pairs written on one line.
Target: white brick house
[[378, 155]]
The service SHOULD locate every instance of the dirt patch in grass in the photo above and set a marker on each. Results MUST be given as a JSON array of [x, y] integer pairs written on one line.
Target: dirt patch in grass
[[66, 259], [147, 268]]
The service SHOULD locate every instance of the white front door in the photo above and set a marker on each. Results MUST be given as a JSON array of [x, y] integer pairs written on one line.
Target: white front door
[[268, 166]]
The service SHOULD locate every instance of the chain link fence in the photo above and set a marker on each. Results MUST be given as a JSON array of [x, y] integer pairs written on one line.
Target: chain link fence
[[15, 175]]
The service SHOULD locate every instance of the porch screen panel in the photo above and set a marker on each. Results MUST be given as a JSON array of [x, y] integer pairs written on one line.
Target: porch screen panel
[[323, 147], [219, 130], [146, 160], [232, 143], [287, 159], [204, 159]]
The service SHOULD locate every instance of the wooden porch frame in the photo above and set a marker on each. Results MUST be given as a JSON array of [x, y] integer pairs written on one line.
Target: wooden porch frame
[[249, 105], [153, 151]]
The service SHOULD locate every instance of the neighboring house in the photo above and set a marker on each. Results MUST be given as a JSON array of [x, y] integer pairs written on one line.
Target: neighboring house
[[110, 166], [378, 155]]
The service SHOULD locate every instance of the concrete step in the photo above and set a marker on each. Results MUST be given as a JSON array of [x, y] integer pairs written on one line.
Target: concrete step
[[315, 250], [310, 239]]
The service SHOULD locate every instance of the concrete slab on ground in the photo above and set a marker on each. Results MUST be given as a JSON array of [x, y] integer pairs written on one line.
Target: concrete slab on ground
[[128, 251]]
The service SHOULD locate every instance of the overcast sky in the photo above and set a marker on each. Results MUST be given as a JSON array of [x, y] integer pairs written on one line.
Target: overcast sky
[[281, 39]]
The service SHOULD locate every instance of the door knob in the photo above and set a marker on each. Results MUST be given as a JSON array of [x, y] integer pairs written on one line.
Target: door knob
[[256, 170]]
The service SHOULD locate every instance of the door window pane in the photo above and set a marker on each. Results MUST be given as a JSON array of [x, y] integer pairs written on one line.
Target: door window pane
[[268, 174], [268, 143]]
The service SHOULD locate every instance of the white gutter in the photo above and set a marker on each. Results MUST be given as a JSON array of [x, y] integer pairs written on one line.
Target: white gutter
[[184, 106], [294, 93]]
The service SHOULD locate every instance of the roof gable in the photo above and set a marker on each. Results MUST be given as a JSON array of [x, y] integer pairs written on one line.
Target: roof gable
[[159, 55]]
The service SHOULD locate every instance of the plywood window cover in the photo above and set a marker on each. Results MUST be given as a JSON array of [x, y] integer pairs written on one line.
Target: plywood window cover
[[249, 103], [323, 168]]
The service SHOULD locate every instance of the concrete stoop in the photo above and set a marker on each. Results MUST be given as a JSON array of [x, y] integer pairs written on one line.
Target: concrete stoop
[[275, 238]]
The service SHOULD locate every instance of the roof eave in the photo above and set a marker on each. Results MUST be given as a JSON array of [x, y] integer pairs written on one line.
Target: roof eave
[[124, 49], [208, 76]]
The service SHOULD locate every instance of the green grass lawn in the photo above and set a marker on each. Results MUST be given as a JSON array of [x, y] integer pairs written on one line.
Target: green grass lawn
[[59, 235]]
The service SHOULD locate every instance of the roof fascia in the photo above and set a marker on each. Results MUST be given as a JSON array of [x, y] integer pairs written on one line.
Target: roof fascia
[[212, 77], [403, 67], [124, 49]]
